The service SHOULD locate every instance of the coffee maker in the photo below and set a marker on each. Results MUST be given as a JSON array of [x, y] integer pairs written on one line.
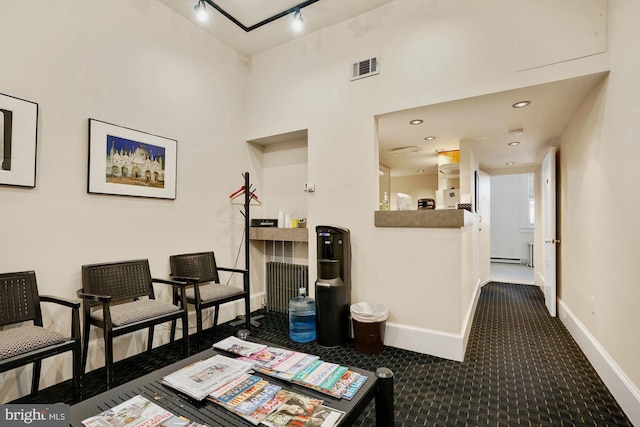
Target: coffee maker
[[333, 287]]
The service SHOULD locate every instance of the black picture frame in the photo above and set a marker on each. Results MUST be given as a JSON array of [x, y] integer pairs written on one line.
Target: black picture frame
[[18, 141]]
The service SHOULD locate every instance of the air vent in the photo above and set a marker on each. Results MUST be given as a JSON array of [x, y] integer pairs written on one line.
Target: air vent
[[406, 150], [365, 68]]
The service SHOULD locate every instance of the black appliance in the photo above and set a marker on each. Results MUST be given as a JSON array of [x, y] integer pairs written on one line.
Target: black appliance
[[333, 287]]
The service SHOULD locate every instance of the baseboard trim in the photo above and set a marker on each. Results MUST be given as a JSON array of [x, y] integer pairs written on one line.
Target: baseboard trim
[[624, 391], [428, 341]]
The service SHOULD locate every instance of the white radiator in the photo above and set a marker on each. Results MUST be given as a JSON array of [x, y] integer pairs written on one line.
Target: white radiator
[[283, 282]]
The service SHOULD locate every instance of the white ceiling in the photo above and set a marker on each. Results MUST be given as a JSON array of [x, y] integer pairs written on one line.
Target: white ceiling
[[486, 120], [318, 15]]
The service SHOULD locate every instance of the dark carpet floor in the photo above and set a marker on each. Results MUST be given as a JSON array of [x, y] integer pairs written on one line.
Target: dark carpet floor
[[522, 368]]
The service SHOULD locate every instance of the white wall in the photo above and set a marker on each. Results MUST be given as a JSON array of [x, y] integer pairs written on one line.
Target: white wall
[[137, 64], [599, 229], [509, 236], [429, 52]]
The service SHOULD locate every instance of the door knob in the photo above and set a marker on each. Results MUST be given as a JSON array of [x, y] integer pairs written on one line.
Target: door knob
[[554, 241]]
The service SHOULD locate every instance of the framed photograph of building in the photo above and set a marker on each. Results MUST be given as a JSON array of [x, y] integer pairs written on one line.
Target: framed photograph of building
[[128, 162], [18, 137]]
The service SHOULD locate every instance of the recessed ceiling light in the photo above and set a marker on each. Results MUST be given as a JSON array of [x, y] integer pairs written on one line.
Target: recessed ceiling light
[[521, 104], [440, 150], [420, 171], [416, 122], [513, 143], [430, 138], [510, 163]]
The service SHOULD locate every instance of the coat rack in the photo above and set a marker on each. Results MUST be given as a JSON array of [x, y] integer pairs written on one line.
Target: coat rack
[[249, 195]]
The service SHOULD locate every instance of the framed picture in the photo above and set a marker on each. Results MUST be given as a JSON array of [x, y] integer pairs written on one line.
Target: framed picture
[[127, 162], [18, 136]]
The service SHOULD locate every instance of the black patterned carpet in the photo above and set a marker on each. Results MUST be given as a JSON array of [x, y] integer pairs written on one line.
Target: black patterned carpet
[[522, 368]]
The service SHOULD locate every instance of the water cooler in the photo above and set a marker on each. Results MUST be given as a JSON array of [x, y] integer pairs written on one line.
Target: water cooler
[[333, 287]]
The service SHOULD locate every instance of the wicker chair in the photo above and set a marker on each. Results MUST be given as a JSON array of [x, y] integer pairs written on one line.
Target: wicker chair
[[30, 343], [202, 271], [119, 298]]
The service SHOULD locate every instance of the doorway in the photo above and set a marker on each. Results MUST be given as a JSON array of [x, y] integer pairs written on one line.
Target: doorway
[[512, 232]]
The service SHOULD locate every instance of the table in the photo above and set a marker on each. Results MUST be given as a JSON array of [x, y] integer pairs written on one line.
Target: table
[[214, 415]]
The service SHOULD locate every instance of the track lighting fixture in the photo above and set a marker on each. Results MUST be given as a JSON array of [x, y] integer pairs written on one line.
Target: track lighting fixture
[[298, 22], [201, 12]]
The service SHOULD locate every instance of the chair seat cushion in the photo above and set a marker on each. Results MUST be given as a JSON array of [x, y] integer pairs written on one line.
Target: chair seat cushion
[[136, 311], [16, 341], [213, 291]]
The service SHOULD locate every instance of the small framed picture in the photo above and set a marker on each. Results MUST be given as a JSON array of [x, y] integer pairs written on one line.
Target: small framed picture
[[128, 162], [18, 138]]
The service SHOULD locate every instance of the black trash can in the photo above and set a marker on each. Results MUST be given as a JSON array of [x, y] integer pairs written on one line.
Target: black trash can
[[368, 326]]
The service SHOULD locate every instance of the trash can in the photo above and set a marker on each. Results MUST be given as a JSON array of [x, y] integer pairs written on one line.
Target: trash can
[[368, 326]]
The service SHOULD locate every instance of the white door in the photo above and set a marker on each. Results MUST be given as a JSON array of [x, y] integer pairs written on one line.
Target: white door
[[548, 208], [484, 226]]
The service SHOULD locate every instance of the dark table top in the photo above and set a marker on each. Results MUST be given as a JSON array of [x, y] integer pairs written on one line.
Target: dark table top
[[206, 412]]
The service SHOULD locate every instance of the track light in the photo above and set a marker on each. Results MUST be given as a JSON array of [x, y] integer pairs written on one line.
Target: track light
[[298, 22], [201, 12]]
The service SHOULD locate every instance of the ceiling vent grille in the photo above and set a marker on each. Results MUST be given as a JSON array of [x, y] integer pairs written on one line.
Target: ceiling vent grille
[[365, 68]]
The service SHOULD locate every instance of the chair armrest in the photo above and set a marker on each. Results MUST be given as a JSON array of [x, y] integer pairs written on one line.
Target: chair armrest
[[92, 297], [186, 279], [175, 283], [233, 270], [58, 300]]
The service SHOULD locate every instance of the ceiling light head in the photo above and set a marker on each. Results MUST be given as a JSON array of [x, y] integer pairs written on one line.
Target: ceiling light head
[[513, 143], [298, 22], [420, 171], [416, 122], [201, 11], [440, 150], [430, 138], [510, 163], [521, 104]]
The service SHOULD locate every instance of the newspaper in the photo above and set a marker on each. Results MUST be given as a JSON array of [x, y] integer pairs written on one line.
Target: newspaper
[[240, 347], [200, 379]]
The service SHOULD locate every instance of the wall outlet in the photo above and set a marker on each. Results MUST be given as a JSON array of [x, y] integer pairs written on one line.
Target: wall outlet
[[309, 187]]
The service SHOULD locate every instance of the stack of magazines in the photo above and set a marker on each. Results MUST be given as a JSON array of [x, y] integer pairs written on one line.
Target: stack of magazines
[[300, 368]]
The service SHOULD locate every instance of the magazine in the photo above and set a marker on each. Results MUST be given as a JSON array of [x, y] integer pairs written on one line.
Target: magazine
[[291, 372], [138, 412], [354, 387], [269, 358], [198, 380], [320, 373], [341, 387], [240, 347], [268, 407], [236, 390], [325, 417], [295, 412]]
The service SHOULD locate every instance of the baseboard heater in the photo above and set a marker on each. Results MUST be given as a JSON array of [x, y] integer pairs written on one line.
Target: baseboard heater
[[283, 283], [509, 260]]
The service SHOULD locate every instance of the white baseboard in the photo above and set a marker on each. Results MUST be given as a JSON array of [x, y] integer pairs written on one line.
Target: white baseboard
[[428, 341], [624, 391]]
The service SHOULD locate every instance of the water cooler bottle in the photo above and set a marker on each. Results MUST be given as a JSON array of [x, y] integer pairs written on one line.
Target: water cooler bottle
[[333, 287]]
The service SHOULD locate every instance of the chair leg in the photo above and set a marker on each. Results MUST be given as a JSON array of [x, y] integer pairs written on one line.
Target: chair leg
[[85, 344], [173, 330], [199, 327], [150, 338], [247, 311], [77, 374], [108, 357], [215, 315], [185, 334], [35, 380]]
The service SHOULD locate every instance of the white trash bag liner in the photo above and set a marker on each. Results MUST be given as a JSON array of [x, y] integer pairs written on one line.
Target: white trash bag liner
[[367, 312]]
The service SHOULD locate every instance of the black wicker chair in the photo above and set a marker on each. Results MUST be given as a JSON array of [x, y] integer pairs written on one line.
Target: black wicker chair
[[202, 271], [30, 343], [119, 298]]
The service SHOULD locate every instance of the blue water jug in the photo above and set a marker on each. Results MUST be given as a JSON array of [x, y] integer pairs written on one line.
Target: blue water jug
[[302, 318]]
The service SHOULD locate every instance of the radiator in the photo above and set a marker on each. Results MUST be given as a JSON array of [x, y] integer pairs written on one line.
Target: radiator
[[283, 282]]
